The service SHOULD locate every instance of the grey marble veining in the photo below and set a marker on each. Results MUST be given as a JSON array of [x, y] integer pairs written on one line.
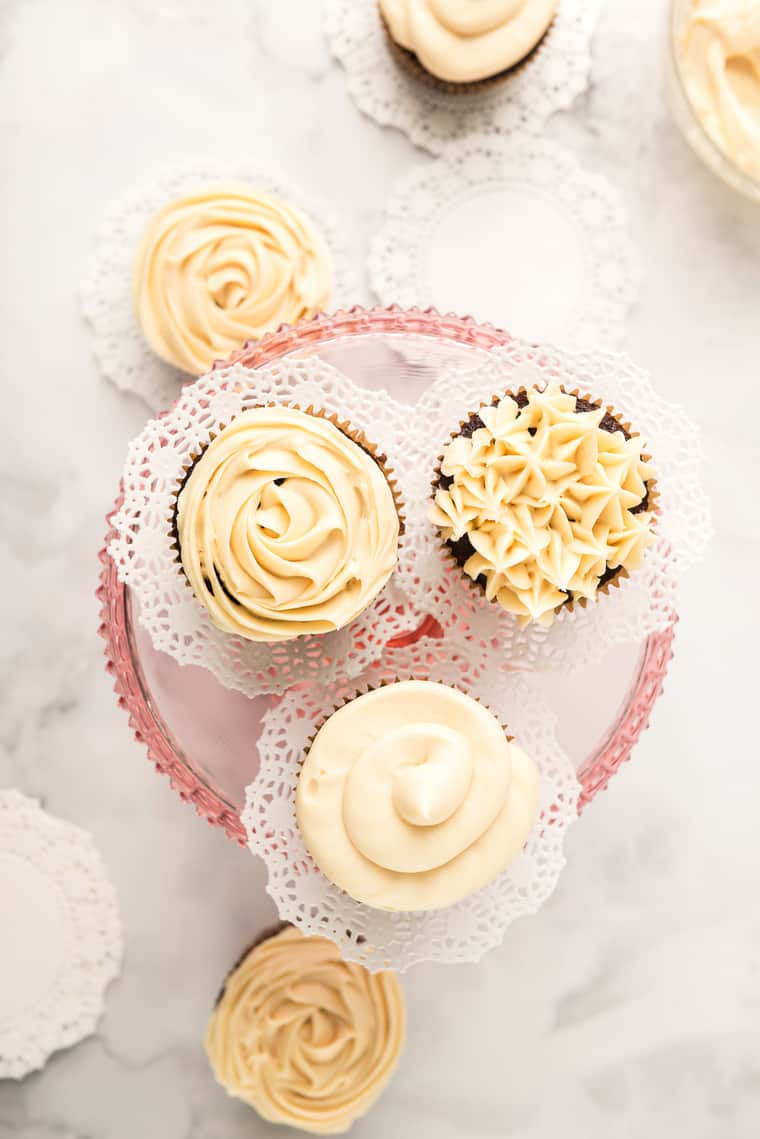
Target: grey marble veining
[[629, 1007]]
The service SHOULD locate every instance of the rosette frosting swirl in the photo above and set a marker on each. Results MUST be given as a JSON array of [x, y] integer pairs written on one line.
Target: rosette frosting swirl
[[462, 41], [222, 266], [304, 1037], [720, 62], [412, 797], [543, 500], [286, 526]]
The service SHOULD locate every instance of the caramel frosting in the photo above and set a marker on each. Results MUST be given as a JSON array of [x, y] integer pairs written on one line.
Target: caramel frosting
[[463, 41], [548, 500], [412, 797], [304, 1037], [720, 64], [223, 266], [286, 526]]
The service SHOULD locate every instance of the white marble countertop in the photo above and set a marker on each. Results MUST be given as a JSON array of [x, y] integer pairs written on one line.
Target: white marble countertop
[[630, 1006]]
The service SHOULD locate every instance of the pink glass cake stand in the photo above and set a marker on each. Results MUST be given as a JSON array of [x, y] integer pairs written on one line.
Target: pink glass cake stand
[[203, 735]]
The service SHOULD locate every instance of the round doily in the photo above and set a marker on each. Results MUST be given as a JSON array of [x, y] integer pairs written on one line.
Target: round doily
[[376, 938], [123, 354], [638, 605], [515, 231], [61, 942], [147, 562], [393, 93]]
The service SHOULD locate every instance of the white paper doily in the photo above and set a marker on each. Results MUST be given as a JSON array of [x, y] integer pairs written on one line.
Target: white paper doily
[[642, 603], [515, 231], [376, 938], [156, 462], [433, 114], [61, 942], [123, 354]]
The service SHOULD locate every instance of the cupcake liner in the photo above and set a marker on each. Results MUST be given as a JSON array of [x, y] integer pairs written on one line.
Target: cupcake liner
[[634, 605], [391, 90], [123, 354], [380, 939], [145, 551], [620, 573]]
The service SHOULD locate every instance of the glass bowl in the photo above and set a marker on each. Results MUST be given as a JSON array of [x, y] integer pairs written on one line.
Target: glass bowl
[[689, 122], [202, 735]]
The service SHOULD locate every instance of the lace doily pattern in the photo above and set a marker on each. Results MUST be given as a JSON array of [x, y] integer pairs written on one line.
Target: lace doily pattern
[[482, 178], [633, 607], [123, 354], [433, 114], [147, 561], [378, 939], [62, 939], [426, 581]]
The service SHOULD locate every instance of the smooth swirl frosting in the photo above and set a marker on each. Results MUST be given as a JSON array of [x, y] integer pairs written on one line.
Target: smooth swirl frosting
[[223, 266], [304, 1037], [548, 499], [463, 41], [286, 526], [412, 797], [720, 64]]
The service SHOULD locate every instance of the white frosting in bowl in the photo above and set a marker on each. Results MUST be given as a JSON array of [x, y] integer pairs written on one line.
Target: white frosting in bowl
[[411, 797], [719, 59]]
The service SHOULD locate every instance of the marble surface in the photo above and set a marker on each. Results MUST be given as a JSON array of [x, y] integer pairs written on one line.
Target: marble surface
[[630, 1005]]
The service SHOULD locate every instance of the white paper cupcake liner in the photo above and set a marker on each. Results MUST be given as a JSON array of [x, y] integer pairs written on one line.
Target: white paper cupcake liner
[[147, 562], [390, 91], [61, 942], [643, 602], [123, 353], [375, 938], [515, 230]]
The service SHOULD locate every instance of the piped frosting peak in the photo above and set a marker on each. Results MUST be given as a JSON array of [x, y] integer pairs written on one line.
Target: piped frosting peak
[[412, 797], [460, 41], [286, 526]]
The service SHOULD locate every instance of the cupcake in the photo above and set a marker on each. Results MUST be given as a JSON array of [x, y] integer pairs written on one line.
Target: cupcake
[[222, 266], [544, 497], [286, 525], [412, 796], [305, 1038], [461, 42]]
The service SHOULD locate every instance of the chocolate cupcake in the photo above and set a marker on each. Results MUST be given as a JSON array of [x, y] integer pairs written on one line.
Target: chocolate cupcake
[[412, 796], [305, 1038], [224, 265], [459, 44], [544, 498], [287, 524]]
